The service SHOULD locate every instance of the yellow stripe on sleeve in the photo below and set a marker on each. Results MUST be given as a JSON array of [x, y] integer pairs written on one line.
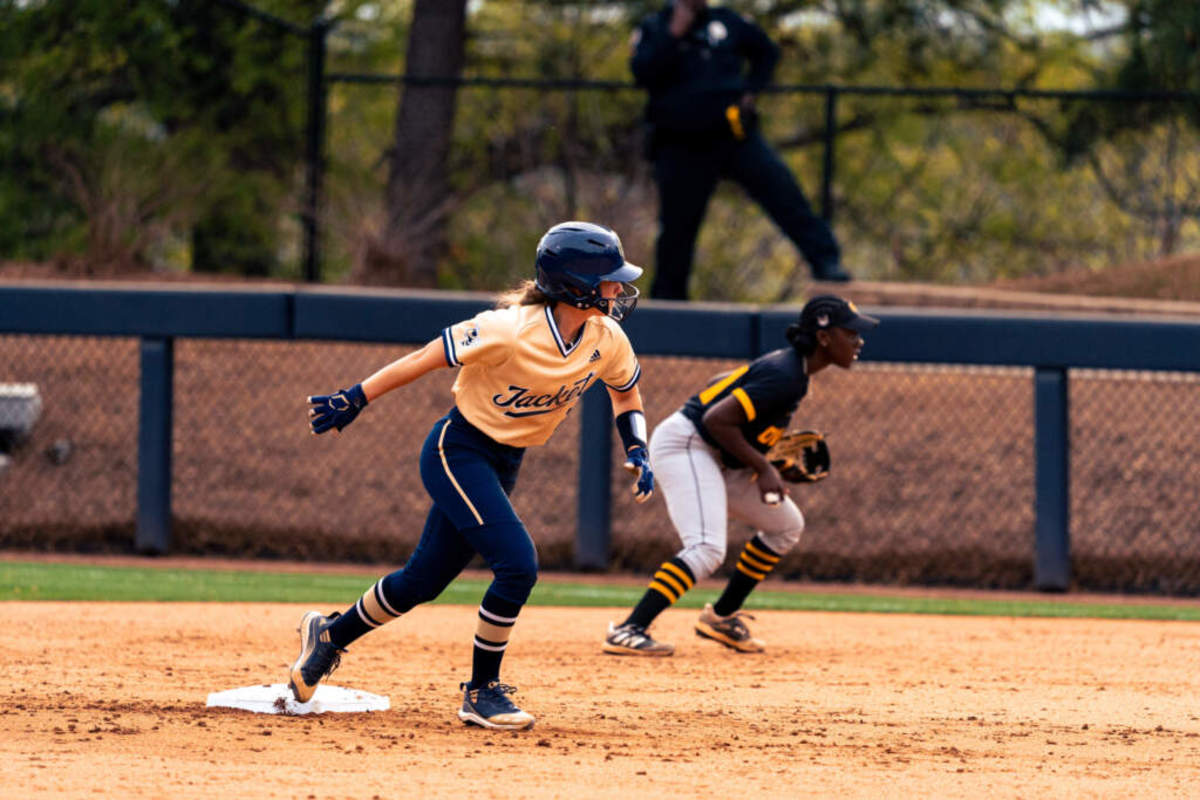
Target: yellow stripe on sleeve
[[711, 392], [747, 405]]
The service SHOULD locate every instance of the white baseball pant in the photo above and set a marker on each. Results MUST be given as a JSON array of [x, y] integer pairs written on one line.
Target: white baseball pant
[[702, 494]]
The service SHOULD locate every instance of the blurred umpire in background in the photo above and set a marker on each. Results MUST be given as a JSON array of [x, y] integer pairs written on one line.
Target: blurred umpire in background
[[702, 68]]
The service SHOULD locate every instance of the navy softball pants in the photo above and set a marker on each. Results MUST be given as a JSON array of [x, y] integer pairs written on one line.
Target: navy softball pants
[[469, 475]]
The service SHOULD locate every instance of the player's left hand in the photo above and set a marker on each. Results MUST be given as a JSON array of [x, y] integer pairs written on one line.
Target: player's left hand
[[637, 463], [335, 410]]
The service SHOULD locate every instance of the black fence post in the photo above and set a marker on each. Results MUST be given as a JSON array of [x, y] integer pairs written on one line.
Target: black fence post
[[1052, 445], [315, 148], [153, 533], [831, 97], [593, 520]]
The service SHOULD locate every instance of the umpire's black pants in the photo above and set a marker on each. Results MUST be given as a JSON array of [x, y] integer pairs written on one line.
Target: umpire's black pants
[[687, 174]]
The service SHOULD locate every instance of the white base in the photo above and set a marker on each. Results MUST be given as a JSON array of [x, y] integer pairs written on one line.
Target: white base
[[277, 699]]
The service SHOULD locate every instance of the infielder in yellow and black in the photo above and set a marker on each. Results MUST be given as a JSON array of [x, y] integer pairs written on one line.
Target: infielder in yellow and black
[[524, 365], [709, 460]]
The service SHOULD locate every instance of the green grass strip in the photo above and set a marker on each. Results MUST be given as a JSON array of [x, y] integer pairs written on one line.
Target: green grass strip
[[21, 580]]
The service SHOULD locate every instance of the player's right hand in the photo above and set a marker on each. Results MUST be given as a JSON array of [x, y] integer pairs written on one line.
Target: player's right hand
[[771, 487], [637, 463], [335, 410]]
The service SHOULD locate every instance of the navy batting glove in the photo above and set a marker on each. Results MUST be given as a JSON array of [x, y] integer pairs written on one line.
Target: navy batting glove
[[637, 463], [335, 410]]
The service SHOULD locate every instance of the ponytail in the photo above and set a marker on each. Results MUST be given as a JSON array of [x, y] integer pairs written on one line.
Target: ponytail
[[804, 341], [525, 293]]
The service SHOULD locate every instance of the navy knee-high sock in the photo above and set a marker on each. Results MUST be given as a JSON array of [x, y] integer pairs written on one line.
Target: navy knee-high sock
[[371, 610], [496, 619]]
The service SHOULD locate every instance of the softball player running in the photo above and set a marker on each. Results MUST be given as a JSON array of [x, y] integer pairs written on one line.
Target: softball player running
[[524, 365], [709, 459]]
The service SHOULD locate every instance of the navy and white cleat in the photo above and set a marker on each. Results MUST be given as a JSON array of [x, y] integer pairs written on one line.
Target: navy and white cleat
[[490, 707], [318, 656]]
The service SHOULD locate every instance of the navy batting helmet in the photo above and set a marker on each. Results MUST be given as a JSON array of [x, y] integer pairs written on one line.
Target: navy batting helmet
[[574, 257]]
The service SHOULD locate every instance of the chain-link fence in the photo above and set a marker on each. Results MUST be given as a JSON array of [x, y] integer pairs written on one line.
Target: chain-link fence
[[932, 478], [1134, 491], [931, 481], [70, 479]]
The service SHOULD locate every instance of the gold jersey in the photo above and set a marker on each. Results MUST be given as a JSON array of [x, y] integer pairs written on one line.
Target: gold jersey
[[520, 379]]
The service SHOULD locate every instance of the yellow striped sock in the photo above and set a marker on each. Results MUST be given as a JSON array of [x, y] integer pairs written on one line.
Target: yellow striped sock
[[671, 581], [755, 561]]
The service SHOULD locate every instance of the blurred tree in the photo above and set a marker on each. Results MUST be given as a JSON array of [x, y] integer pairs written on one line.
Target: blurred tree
[[418, 197], [177, 125], [1143, 155], [524, 159], [1163, 45], [235, 78], [153, 122]]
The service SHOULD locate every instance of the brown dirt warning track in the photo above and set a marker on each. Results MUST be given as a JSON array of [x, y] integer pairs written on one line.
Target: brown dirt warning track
[[108, 700]]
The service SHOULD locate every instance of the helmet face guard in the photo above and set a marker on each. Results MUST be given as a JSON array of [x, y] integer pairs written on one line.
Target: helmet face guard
[[575, 258], [622, 305]]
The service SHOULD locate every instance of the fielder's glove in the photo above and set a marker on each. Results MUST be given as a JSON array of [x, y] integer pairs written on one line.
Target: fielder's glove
[[801, 457], [335, 410], [637, 463]]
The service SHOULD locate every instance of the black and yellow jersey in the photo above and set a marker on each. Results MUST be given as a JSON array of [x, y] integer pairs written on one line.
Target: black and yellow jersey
[[768, 389]]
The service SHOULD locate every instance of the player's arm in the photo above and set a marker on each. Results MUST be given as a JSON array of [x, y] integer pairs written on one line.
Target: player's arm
[[339, 409], [631, 425], [723, 421], [406, 369]]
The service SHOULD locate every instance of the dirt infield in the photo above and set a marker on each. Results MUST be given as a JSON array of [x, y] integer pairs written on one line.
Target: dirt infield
[[107, 700]]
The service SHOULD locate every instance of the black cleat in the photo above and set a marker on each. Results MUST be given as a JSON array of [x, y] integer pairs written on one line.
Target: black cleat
[[633, 640]]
